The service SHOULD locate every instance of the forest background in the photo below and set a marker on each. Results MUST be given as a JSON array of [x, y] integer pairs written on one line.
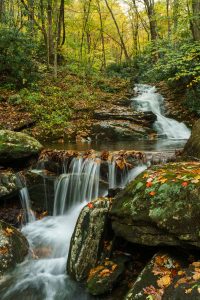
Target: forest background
[[57, 55]]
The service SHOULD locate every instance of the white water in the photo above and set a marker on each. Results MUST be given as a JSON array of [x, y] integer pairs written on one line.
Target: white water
[[42, 276], [149, 100]]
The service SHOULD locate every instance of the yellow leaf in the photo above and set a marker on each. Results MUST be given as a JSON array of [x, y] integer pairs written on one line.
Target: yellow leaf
[[8, 231], [164, 281]]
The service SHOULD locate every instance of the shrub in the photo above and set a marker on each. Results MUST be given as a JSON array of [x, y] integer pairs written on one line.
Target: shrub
[[17, 65]]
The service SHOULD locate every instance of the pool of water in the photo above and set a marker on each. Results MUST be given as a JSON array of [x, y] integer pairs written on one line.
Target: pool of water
[[140, 145]]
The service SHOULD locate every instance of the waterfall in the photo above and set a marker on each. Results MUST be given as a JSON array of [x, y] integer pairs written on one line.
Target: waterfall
[[81, 183], [26, 204], [149, 100], [42, 276]]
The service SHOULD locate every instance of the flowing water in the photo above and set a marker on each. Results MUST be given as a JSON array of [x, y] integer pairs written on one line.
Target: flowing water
[[42, 276], [149, 100]]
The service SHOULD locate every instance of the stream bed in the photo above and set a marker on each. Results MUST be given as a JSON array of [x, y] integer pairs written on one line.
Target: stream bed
[[42, 276]]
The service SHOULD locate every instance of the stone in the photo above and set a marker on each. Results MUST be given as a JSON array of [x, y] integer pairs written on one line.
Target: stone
[[120, 129], [17, 145], [13, 247], [87, 239], [104, 277], [9, 184], [160, 207], [168, 276], [155, 278], [192, 147]]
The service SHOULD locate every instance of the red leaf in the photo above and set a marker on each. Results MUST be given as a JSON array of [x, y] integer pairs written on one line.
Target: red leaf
[[149, 184], [90, 205], [184, 184]]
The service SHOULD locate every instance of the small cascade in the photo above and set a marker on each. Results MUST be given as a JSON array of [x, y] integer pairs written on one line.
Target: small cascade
[[81, 183], [149, 100], [112, 180], [26, 204]]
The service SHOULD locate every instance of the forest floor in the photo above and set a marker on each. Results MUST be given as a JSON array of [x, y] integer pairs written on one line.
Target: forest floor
[[63, 109], [58, 109]]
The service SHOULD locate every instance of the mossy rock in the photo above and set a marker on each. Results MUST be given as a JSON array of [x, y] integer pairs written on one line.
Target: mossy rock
[[17, 145], [192, 147], [9, 184], [13, 247], [104, 277], [88, 239], [160, 207]]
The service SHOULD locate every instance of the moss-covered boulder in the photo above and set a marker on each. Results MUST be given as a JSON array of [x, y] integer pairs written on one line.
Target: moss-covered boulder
[[13, 247], [17, 146], [88, 239], [192, 147], [160, 207]]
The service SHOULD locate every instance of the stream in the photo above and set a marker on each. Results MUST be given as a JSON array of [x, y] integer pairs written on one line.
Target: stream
[[42, 276]]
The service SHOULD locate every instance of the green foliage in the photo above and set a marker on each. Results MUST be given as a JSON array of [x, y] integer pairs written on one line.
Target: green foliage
[[17, 65], [123, 70]]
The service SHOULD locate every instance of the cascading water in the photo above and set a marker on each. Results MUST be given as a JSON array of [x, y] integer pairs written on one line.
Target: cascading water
[[42, 276], [149, 100], [81, 183]]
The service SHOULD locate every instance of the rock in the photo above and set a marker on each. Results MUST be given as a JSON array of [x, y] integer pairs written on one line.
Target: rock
[[41, 190], [16, 145], [160, 207], [9, 184], [87, 239], [120, 129], [124, 113], [167, 276], [192, 147], [102, 279], [155, 278], [13, 247]]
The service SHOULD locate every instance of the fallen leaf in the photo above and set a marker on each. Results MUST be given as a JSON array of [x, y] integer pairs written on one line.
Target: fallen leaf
[[184, 184], [152, 193], [90, 205], [164, 281], [8, 231]]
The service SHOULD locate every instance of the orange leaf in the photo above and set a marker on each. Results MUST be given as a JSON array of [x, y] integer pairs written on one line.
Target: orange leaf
[[149, 184], [90, 205], [184, 184], [152, 193]]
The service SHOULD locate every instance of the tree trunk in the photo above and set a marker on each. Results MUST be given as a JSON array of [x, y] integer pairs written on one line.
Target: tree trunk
[[196, 20], [149, 4], [102, 36], [118, 31]]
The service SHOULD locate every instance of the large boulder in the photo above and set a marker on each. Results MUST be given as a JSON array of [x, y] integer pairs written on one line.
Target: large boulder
[[13, 247], [17, 146], [160, 207], [88, 239], [192, 147]]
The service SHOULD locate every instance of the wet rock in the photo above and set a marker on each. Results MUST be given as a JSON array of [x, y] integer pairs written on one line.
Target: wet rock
[[192, 147], [155, 278], [120, 113], [120, 129], [104, 277], [9, 184], [167, 276], [16, 145], [41, 189], [160, 207], [87, 239], [13, 247]]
